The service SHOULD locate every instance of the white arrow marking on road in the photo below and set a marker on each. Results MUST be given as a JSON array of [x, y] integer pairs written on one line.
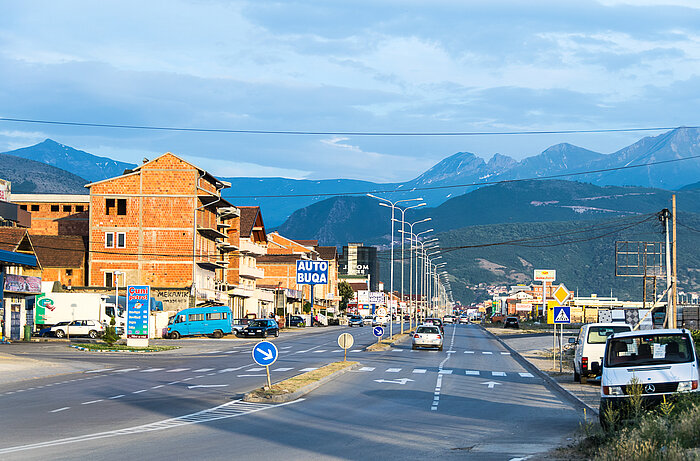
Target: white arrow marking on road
[[267, 355], [491, 384], [393, 381], [206, 385]]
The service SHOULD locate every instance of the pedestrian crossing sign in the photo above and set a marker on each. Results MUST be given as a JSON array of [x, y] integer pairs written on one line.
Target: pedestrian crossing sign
[[562, 314]]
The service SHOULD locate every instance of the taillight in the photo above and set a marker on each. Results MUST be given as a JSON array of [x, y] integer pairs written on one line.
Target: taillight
[[584, 363], [416, 336], [606, 390], [695, 385], [439, 337]]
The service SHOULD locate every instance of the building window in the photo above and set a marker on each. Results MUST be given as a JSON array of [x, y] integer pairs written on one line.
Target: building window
[[110, 203], [54, 208], [67, 208], [109, 279], [69, 272], [35, 207], [121, 206], [121, 240], [109, 240], [24, 207], [79, 208]]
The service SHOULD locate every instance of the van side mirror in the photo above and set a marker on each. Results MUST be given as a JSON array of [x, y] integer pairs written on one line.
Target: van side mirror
[[573, 340]]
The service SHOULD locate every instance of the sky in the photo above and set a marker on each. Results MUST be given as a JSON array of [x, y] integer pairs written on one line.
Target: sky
[[344, 66]]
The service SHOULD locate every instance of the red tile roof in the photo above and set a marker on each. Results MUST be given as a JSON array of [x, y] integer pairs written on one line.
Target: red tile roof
[[248, 217], [11, 237], [327, 253], [59, 250]]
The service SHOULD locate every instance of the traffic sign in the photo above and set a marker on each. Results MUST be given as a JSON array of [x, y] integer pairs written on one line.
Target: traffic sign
[[381, 311], [378, 331], [561, 294], [265, 353], [562, 314], [345, 341]]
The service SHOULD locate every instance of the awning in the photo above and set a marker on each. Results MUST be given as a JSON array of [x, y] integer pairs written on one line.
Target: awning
[[19, 259]]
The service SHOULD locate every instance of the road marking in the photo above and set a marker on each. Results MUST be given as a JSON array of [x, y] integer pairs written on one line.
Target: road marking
[[245, 376], [230, 352], [206, 385], [487, 353], [526, 375], [419, 370], [318, 352], [92, 401], [199, 376], [445, 372], [393, 370], [227, 410], [393, 381], [256, 369], [151, 370], [213, 352], [497, 373], [337, 350], [308, 369], [187, 379], [468, 352], [174, 382], [283, 369], [492, 384], [177, 370], [505, 353], [450, 352], [116, 397], [158, 386], [301, 352], [286, 347], [138, 392], [100, 370], [366, 369], [472, 372], [434, 408], [59, 409], [397, 350], [125, 370], [225, 370], [202, 370], [356, 350]]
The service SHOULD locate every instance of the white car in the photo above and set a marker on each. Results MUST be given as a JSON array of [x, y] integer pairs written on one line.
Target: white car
[[90, 328], [427, 336], [464, 319], [379, 321], [448, 319], [590, 347], [367, 320]]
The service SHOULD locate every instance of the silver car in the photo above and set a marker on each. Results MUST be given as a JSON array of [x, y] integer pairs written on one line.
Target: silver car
[[427, 336]]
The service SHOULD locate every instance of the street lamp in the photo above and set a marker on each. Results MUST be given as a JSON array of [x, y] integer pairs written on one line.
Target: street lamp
[[422, 244], [391, 240], [410, 265], [116, 297]]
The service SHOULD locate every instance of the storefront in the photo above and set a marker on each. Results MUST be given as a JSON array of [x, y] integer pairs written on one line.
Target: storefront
[[17, 293]]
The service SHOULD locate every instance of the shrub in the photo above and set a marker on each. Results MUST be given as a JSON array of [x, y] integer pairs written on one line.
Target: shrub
[[110, 337]]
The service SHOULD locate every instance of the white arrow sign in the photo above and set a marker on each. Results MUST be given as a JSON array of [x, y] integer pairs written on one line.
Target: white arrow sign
[[267, 354], [393, 381], [206, 385], [491, 384]]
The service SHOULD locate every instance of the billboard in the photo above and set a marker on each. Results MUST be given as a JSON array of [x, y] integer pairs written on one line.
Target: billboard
[[311, 272], [138, 298], [545, 275], [22, 284]]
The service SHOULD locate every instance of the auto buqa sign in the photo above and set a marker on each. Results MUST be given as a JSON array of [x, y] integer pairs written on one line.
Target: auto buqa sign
[[310, 272]]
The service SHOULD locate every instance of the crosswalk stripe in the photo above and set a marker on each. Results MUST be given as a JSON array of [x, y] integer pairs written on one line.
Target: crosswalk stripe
[[283, 369], [366, 369], [393, 370], [419, 370], [308, 369], [526, 375], [497, 373], [472, 372], [177, 370], [445, 372], [505, 353], [256, 369]]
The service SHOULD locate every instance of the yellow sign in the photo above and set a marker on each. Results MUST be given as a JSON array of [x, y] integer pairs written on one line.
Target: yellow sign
[[551, 304], [561, 294]]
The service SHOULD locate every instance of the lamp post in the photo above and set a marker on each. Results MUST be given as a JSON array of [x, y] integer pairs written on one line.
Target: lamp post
[[427, 277], [391, 242], [116, 296], [420, 277], [410, 265], [422, 245], [403, 221]]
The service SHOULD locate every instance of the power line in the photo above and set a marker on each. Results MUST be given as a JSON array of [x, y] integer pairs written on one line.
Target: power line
[[338, 133]]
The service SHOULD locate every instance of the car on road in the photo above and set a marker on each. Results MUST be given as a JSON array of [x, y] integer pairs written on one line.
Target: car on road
[[448, 319], [367, 319], [262, 328], [511, 322], [356, 321], [463, 319], [237, 325], [379, 320], [427, 336], [89, 328], [590, 347], [295, 321], [664, 362], [435, 321]]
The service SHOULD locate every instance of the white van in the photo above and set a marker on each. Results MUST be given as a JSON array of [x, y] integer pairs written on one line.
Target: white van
[[663, 361], [590, 347]]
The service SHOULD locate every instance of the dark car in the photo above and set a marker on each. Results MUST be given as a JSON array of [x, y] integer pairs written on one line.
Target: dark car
[[511, 322], [356, 321], [295, 321], [262, 328], [46, 331], [436, 322]]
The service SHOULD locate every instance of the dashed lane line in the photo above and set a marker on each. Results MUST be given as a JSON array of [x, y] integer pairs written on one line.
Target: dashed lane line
[[177, 370], [59, 409], [92, 401]]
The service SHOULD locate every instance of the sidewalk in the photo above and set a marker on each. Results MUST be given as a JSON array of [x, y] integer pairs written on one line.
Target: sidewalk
[[536, 348]]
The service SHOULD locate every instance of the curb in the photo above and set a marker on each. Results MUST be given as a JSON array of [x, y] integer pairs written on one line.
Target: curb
[[284, 398], [386, 346], [86, 349], [573, 399]]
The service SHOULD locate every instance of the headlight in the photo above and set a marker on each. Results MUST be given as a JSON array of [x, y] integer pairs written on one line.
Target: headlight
[[687, 386]]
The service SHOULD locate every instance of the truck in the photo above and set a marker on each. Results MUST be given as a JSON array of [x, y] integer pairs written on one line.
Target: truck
[[52, 308]]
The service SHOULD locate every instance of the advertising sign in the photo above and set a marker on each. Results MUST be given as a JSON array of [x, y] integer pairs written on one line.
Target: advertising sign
[[22, 284], [138, 298], [362, 297], [545, 275], [5, 190], [376, 297], [523, 307], [311, 272]]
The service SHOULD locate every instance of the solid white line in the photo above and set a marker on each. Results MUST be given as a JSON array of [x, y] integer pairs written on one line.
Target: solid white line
[[92, 401], [59, 409], [245, 376]]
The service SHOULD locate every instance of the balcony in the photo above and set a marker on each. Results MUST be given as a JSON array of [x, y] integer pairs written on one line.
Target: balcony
[[210, 233], [248, 247], [251, 272], [242, 292]]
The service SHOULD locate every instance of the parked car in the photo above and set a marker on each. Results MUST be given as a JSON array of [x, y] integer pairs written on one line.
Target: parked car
[[498, 318], [46, 331], [367, 320], [295, 321], [213, 321], [355, 321], [448, 319], [379, 320], [237, 325], [90, 328], [511, 322], [590, 347], [262, 328], [435, 321], [427, 336], [663, 361]]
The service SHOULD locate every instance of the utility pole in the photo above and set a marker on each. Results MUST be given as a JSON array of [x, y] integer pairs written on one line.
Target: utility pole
[[665, 215], [674, 318]]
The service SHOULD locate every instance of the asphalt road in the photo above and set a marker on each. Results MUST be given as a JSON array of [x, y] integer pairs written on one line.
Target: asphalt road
[[471, 400]]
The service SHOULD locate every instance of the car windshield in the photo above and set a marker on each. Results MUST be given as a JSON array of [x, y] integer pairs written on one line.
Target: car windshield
[[599, 334], [257, 323], [428, 330], [355, 317], [648, 350]]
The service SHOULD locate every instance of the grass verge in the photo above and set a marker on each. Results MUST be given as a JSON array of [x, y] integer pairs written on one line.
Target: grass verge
[[121, 348], [298, 382], [385, 344]]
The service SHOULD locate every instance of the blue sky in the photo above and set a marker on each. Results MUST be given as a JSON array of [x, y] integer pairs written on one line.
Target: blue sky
[[344, 66]]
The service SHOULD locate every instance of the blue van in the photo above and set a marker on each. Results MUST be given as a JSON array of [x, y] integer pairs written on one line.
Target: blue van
[[214, 321]]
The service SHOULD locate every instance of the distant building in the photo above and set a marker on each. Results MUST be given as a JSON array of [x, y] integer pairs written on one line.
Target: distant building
[[11, 214], [358, 263], [56, 214]]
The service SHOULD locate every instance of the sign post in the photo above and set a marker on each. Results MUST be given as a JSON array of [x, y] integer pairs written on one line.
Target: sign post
[[138, 301], [378, 332], [345, 341], [561, 295], [547, 275], [312, 272], [264, 354]]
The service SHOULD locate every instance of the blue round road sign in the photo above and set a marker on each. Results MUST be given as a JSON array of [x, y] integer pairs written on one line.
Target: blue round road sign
[[378, 331], [265, 353]]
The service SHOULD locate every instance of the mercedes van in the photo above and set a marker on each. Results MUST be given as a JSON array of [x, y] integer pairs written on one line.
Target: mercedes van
[[590, 347], [662, 361]]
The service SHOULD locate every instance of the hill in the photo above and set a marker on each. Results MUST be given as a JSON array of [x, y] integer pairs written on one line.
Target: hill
[[30, 177]]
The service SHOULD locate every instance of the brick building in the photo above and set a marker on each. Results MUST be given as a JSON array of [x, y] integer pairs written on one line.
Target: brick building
[[160, 225], [63, 258], [56, 214]]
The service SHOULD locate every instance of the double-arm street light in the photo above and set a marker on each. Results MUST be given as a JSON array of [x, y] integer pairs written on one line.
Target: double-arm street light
[[403, 221], [392, 205], [423, 245], [410, 266]]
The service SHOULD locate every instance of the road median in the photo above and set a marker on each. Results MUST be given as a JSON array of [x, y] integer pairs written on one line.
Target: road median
[[300, 385], [385, 344]]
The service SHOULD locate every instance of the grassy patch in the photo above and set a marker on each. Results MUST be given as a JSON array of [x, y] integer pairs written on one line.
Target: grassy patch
[[121, 347], [294, 384], [386, 343]]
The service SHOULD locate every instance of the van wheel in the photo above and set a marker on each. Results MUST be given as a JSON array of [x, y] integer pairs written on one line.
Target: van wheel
[[92, 334], [174, 335], [60, 334], [218, 334]]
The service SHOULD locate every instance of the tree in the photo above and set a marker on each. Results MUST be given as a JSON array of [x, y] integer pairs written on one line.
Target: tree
[[110, 337], [307, 307], [346, 293]]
